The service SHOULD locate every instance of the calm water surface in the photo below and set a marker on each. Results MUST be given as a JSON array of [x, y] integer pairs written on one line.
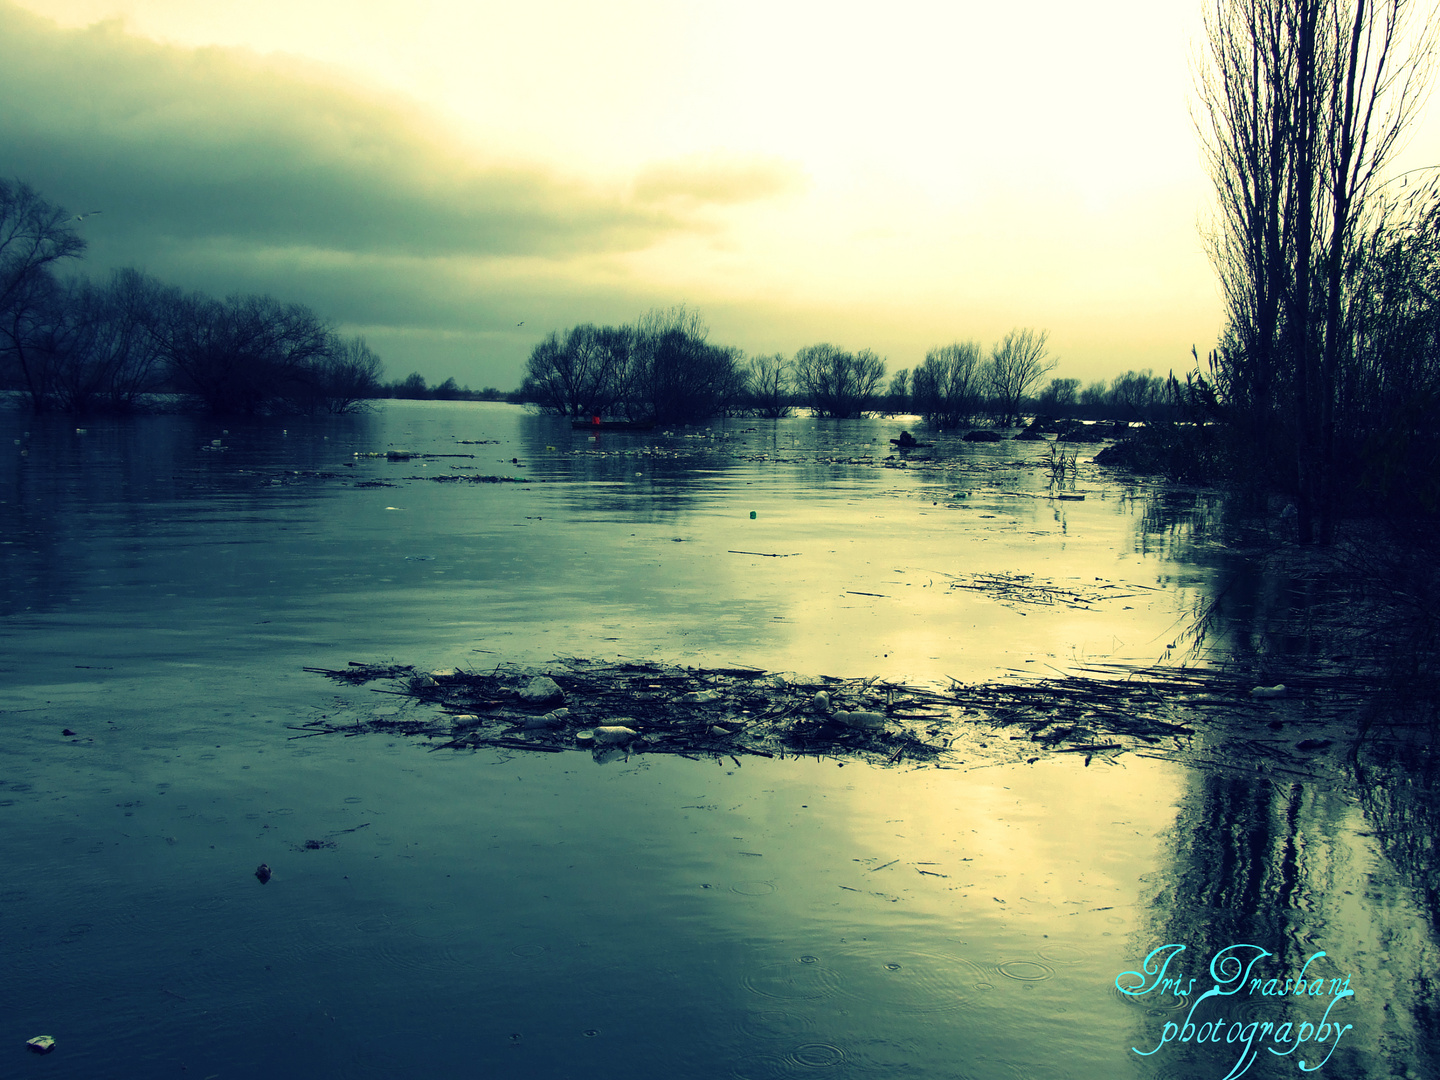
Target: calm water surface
[[491, 913]]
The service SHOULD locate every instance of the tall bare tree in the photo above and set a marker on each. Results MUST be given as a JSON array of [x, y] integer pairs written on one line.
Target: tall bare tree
[[770, 385], [1303, 104], [1016, 364]]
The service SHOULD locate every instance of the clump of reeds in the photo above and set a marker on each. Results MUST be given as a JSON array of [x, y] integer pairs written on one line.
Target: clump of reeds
[[1060, 463]]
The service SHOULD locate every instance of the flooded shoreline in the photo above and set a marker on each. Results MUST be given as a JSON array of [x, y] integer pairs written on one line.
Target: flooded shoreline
[[514, 911]]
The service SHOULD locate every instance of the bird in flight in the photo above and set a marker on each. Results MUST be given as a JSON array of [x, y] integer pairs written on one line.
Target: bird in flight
[[88, 213], [520, 323]]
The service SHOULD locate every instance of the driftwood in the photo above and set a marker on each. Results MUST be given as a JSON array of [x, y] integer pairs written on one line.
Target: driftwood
[[732, 712]]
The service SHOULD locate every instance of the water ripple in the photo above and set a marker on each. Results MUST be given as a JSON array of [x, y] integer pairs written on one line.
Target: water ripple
[[1025, 970], [816, 1055], [754, 888], [793, 980], [914, 981]]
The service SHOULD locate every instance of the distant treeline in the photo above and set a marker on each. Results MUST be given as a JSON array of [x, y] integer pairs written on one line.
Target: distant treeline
[[414, 387], [664, 370], [82, 346]]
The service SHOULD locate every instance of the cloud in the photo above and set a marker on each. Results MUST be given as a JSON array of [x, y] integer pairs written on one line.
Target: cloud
[[718, 179], [207, 143], [190, 144], [225, 170]]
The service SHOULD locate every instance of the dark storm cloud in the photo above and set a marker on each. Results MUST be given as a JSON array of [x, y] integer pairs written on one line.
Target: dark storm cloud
[[186, 144]]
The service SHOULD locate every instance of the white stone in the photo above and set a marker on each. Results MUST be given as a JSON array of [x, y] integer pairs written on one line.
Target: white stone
[[541, 690], [1268, 691], [611, 734]]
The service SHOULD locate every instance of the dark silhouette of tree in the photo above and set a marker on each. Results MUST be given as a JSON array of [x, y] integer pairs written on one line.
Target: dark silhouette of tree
[[1304, 103], [947, 385], [34, 236], [661, 370], [837, 383], [83, 346], [243, 355], [897, 396], [770, 386], [676, 376], [347, 375], [1135, 394], [110, 358], [1060, 395], [579, 375], [412, 386], [1016, 364]]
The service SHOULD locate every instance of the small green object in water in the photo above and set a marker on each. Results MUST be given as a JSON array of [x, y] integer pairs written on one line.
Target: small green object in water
[[41, 1044], [752, 515]]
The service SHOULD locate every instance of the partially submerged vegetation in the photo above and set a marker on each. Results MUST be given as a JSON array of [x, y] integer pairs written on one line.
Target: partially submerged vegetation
[[620, 708]]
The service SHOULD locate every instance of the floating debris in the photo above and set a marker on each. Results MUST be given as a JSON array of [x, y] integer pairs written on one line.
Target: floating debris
[[451, 478], [696, 712], [1014, 589], [614, 708]]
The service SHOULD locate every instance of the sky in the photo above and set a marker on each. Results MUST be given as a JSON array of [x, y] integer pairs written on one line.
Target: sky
[[455, 179]]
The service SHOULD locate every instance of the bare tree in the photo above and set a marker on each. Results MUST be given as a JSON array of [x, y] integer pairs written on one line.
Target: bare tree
[[1304, 102], [897, 396], [242, 355], [1059, 395], [838, 383], [1136, 392], [582, 374], [34, 236], [947, 384], [1371, 101], [1016, 364], [112, 357], [347, 375], [770, 385], [676, 375]]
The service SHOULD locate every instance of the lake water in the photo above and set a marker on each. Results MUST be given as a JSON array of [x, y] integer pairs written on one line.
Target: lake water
[[164, 581]]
